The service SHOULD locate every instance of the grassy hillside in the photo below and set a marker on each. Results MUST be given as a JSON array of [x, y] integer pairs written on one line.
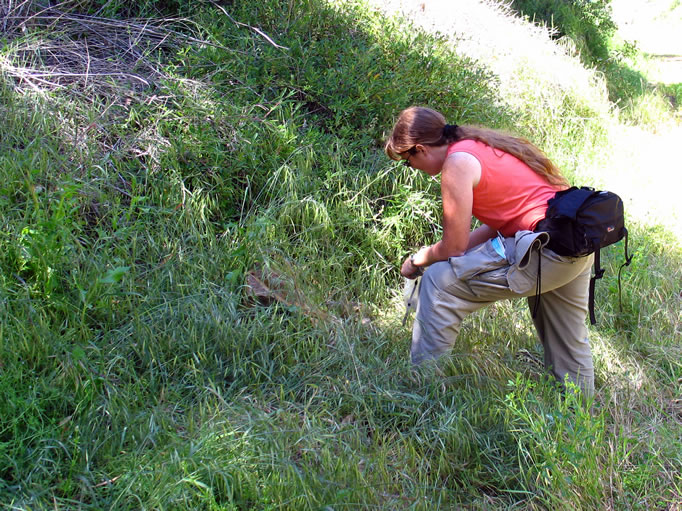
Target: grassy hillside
[[200, 303]]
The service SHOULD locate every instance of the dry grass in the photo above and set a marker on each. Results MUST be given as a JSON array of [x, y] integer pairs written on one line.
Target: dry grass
[[57, 54], [56, 47]]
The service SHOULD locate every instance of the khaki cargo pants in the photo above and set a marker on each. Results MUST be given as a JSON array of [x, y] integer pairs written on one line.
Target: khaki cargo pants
[[449, 290]]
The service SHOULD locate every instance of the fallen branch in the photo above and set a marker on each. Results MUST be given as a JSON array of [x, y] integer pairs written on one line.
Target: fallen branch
[[268, 288]]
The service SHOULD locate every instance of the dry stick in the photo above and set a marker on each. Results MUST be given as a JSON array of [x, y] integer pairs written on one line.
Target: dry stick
[[39, 13], [108, 481], [11, 11], [257, 30], [40, 74], [87, 59]]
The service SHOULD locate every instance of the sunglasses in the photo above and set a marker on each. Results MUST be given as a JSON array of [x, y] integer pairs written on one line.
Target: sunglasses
[[411, 152]]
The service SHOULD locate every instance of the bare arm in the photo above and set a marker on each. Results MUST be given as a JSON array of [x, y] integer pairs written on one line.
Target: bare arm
[[480, 235], [461, 173]]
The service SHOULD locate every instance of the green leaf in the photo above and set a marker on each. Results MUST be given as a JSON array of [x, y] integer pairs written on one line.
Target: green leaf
[[115, 275]]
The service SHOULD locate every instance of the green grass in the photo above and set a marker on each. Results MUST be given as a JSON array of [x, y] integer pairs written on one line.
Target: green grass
[[593, 36], [140, 371]]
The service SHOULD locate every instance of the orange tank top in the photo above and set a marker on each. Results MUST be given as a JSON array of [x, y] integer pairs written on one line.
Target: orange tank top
[[510, 196]]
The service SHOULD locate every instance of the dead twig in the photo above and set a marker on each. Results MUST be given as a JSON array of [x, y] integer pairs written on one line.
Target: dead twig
[[256, 30]]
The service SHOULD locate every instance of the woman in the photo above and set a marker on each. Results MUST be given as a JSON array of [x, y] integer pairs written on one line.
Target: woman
[[505, 182]]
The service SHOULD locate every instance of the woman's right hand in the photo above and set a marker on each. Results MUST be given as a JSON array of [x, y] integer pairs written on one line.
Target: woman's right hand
[[409, 270]]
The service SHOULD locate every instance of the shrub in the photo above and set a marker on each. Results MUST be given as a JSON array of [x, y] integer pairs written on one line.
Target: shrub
[[587, 22]]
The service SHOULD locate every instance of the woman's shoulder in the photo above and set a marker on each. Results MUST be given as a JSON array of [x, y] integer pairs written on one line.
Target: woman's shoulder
[[462, 166], [462, 158], [467, 145]]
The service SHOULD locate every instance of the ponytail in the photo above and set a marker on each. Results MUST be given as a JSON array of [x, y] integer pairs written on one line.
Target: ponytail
[[421, 125]]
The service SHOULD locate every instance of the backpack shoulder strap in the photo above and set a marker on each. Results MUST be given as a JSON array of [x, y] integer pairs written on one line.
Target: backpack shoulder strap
[[628, 260], [598, 273]]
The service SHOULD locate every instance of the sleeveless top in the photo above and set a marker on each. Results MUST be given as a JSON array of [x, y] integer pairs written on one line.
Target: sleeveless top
[[510, 196]]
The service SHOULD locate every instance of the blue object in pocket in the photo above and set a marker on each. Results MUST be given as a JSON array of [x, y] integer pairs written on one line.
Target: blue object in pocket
[[499, 247], [480, 259]]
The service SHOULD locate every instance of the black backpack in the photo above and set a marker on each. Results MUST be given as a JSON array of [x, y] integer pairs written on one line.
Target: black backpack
[[581, 221]]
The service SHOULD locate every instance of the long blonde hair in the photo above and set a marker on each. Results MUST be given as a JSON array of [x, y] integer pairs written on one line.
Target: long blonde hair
[[421, 125]]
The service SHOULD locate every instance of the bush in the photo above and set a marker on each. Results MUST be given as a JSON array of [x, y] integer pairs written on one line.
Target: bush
[[587, 22]]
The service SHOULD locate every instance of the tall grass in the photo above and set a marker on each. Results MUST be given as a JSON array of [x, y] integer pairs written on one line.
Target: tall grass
[[200, 304], [592, 34]]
